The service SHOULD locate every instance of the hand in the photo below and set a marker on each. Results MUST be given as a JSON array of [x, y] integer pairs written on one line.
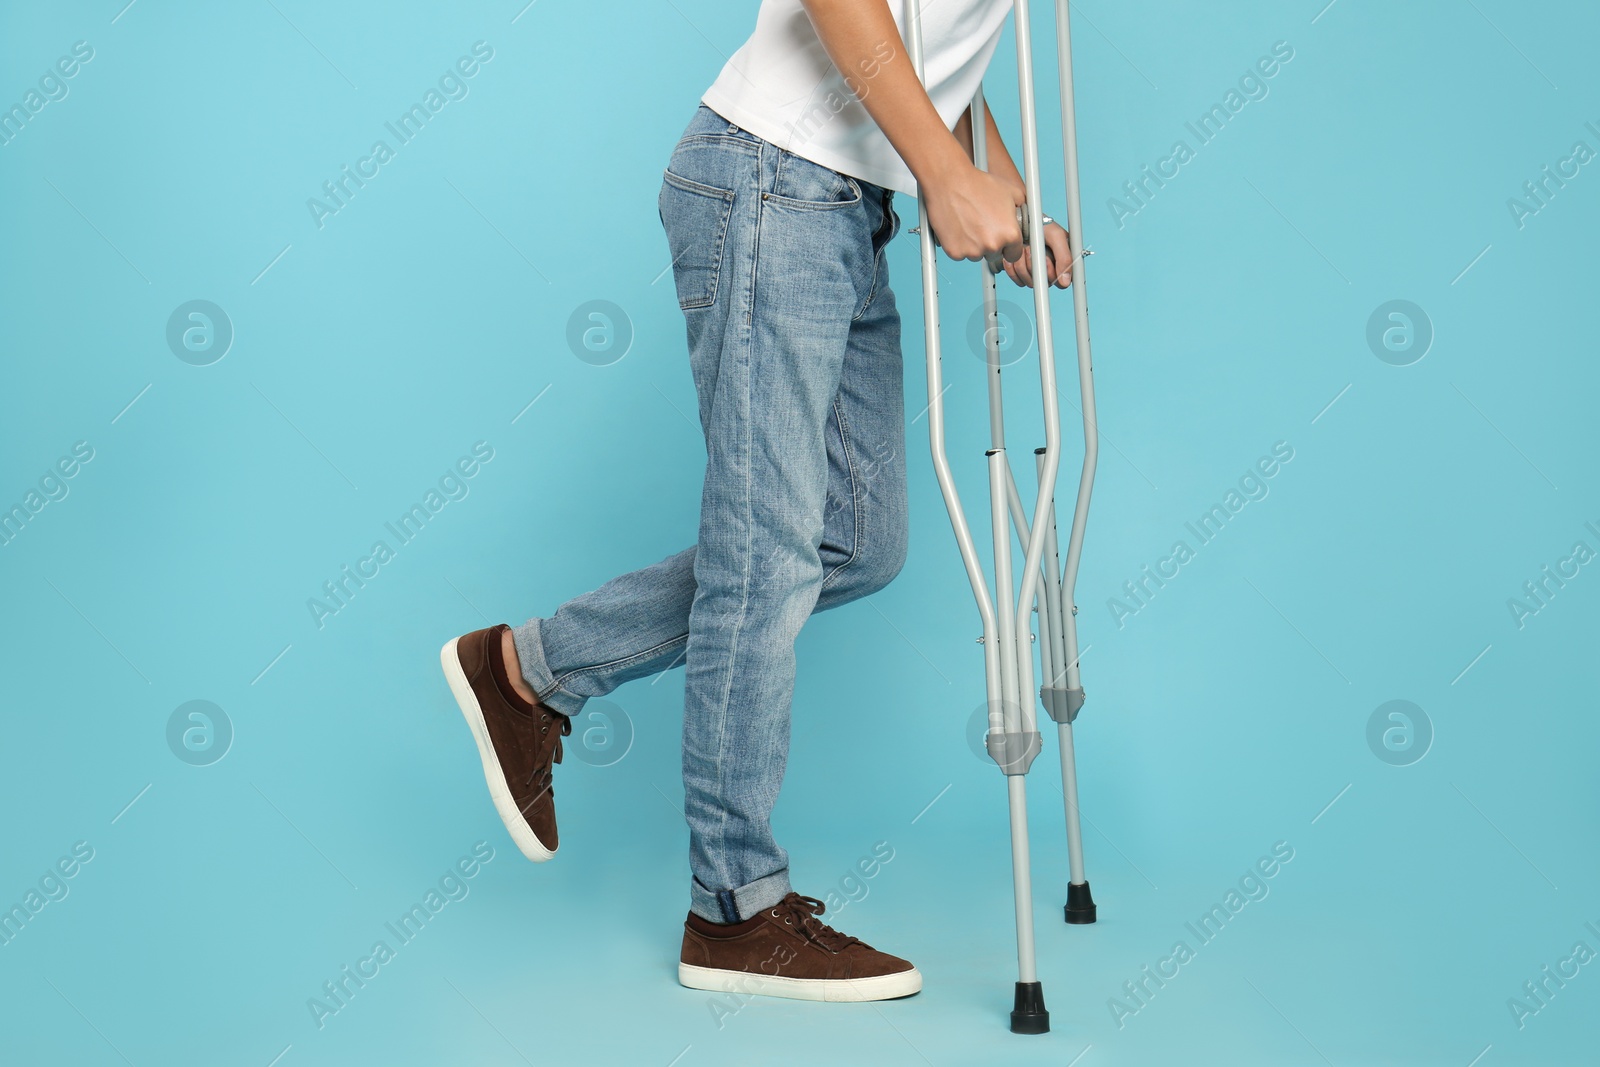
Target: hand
[[1058, 251], [974, 214]]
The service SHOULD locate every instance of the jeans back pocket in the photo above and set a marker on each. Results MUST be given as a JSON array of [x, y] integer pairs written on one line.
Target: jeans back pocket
[[695, 217]]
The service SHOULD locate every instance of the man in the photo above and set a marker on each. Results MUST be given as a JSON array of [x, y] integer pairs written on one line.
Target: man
[[777, 207]]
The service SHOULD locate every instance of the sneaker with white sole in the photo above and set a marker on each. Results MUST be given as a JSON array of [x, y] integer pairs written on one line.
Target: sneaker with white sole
[[517, 741], [786, 951]]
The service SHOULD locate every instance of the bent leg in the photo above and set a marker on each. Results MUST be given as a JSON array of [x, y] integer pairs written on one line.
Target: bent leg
[[637, 624], [866, 532]]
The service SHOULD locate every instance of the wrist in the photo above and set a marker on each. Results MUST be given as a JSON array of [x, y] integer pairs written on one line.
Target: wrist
[[944, 160]]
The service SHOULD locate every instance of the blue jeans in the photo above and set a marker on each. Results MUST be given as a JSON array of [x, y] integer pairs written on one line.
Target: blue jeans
[[794, 344]]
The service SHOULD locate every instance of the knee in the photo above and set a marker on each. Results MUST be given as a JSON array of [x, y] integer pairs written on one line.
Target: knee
[[891, 555], [877, 562]]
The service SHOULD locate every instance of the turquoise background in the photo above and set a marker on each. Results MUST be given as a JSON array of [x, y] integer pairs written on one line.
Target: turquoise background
[[1228, 714]]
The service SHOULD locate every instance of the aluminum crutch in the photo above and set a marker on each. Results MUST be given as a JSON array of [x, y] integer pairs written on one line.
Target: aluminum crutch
[[1008, 656], [1064, 703], [1062, 693], [1013, 739]]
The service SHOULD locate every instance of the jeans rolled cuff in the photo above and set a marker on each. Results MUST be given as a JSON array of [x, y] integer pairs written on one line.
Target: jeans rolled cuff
[[736, 905], [536, 672]]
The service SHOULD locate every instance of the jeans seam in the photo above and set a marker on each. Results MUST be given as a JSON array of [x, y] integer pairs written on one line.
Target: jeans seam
[[558, 682], [744, 590], [872, 288], [755, 249], [855, 497], [877, 260]]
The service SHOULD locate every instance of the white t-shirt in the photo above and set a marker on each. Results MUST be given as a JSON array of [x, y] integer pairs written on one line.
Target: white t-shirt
[[782, 87]]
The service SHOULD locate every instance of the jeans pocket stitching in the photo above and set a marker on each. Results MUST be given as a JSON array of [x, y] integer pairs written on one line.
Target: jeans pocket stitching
[[717, 241], [720, 140], [689, 185], [817, 205], [784, 157]]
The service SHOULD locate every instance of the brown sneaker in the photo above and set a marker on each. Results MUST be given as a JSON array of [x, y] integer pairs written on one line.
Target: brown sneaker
[[517, 741], [786, 951]]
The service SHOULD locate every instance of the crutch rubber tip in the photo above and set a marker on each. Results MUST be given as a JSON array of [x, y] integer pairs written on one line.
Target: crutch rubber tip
[[1080, 905], [1029, 1016]]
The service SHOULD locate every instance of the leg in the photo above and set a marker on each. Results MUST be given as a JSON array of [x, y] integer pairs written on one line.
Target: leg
[[865, 523], [801, 268], [637, 624]]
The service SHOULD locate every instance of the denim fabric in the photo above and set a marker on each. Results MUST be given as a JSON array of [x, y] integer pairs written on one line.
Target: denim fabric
[[794, 345]]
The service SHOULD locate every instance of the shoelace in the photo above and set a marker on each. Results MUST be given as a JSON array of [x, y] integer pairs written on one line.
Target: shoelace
[[543, 771], [804, 911]]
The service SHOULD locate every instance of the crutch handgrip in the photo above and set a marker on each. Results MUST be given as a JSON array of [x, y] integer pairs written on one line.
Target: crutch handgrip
[[995, 261]]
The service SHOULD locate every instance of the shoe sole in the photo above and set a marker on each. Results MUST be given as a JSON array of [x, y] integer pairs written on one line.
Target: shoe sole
[[833, 990], [499, 789]]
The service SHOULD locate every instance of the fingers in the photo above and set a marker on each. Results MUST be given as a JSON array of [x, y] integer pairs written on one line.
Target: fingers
[[1058, 251], [1013, 247], [1010, 250], [978, 219], [1060, 254], [1015, 271], [1021, 271]]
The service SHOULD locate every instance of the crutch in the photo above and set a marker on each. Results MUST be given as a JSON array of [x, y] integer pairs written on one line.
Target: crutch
[[1014, 739], [1066, 701]]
